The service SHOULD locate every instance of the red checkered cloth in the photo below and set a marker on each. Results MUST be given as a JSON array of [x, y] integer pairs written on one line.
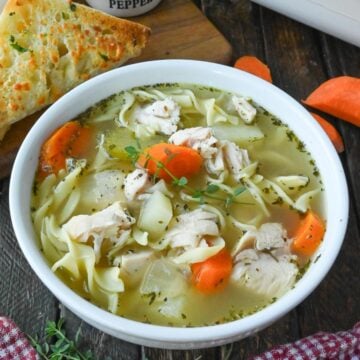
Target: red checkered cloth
[[13, 343], [344, 345]]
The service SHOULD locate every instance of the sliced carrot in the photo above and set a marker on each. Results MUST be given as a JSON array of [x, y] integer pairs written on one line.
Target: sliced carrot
[[70, 140], [339, 97], [331, 131], [212, 274], [253, 65], [309, 235], [80, 146], [178, 160]]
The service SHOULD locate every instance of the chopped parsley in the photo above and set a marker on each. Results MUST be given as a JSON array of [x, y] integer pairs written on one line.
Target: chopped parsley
[[104, 57], [132, 153], [16, 46], [302, 271], [239, 190], [212, 188], [180, 182]]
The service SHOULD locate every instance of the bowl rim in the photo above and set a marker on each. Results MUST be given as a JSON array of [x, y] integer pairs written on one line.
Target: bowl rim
[[157, 333]]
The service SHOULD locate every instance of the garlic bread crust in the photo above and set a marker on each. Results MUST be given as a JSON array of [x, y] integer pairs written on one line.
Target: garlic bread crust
[[48, 47]]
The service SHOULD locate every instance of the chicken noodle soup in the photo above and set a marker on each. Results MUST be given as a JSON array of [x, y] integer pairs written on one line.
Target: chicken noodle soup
[[176, 204]]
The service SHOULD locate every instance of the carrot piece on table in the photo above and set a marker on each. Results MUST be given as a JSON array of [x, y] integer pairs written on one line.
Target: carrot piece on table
[[253, 65], [70, 140], [331, 131], [339, 97], [212, 274], [309, 235], [178, 160]]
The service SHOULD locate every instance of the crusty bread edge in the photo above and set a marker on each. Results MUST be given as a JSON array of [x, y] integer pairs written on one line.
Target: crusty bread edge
[[8, 8]]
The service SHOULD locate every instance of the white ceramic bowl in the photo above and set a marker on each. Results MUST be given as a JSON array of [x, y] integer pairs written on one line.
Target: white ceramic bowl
[[223, 77]]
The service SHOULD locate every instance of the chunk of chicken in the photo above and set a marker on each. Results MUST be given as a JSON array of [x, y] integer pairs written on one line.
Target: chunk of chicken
[[109, 223], [218, 155], [216, 165], [264, 274], [202, 140], [136, 183], [246, 111], [199, 138], [162, 116], [133, 265], [269, 236], [159, 186], [235, 158], [191, 229]]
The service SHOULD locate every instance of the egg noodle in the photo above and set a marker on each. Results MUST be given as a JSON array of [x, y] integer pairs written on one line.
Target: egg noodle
[[277, 181]]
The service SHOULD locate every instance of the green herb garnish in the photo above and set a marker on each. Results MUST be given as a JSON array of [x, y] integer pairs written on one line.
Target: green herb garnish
[[239, 190], [104, 57], [57, 345], [16, 46], [228, 201], [212, 188], [72, 7], [303, 270], [181, 182], [132, 153]]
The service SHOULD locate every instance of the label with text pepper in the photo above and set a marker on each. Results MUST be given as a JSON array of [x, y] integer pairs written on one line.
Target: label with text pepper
[[124, 8]]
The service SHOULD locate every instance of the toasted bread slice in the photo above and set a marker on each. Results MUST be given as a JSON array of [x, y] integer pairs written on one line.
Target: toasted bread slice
[[48, 47]]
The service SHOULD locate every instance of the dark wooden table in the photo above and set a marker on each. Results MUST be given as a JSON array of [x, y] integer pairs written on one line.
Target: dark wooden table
[[300, 59]]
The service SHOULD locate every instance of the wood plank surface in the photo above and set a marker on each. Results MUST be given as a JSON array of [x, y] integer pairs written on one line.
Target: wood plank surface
[[102, 345], [179, 31], [300, 59], [22, 295], [341, 289]]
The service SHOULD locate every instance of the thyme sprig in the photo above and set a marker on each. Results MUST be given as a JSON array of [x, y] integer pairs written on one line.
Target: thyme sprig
[[132, 153], [57, 345], [200, 194]]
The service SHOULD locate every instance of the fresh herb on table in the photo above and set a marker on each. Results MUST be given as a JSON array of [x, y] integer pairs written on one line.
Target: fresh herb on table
[[226, 351], [57, 346]]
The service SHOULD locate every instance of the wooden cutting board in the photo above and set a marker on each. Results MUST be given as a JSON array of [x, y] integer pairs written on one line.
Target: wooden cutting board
[[179, 30]]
